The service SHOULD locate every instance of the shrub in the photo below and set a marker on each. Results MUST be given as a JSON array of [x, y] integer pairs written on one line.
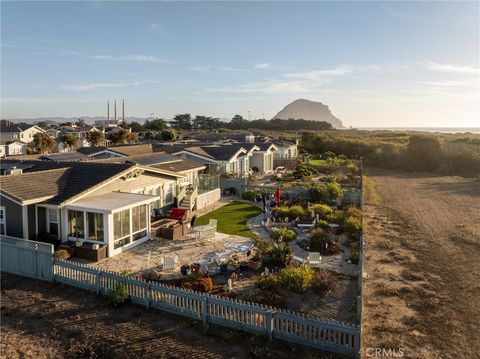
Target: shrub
[[322, 210], [268, 282], [323, 280], [333, 191], [319, 239], [355, 247], [353, 227], [337, 217], [119, 295], [284, 234], [249, 195], [205, 284], [303, 171], [296, 211], [280, 255], [61, 254], [297, 279]]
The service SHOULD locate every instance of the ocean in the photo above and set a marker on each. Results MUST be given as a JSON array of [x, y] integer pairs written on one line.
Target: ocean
[[475, 130]]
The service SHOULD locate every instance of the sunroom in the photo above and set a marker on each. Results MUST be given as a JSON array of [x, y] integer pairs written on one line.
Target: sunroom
[[117, 220]]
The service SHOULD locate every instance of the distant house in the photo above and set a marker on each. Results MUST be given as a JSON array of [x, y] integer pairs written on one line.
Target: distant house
[[81, 132], [96, 153], [12, 148], [286, 150], [262, 158], [10, 131], [87, 202]]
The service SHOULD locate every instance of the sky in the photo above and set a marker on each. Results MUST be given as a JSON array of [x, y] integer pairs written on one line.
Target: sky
[[375, 64]]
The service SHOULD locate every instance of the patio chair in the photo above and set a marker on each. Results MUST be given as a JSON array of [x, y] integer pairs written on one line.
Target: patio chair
[[314, 259], [169, 262], [213, 223]]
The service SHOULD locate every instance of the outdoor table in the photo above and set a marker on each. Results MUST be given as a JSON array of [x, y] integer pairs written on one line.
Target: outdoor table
[[201, 231]]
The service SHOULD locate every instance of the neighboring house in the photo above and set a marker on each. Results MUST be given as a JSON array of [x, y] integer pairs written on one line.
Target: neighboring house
[[103, 203], [237, 136], [81, 132], [96, 153], [10, 131], [12, 148], [285, 150], [262, 159]]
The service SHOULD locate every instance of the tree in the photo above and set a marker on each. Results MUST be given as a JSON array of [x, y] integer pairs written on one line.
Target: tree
[[239, 123], [155, 124], [95, 138], [80, 122], [136, 127], [122, 137], [44, 143], [182, 121], [168, 135], [70, 141], [424, 152]]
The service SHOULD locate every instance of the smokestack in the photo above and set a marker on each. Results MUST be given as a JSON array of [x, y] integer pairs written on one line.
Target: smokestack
[[108, 111], [115, 111], [123, 110]]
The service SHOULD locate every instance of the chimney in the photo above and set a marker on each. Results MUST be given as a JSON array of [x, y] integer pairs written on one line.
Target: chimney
[[123, 110], [115, 111], [108, 111]]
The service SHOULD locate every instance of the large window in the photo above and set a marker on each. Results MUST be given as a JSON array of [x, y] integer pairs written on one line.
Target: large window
[[169, 193], [95, 226], [2, 221], [53, 221], [121, 228], [76, 224], [139, 222]]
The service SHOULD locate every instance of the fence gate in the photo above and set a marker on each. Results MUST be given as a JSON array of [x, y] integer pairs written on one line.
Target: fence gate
[[27, 258]]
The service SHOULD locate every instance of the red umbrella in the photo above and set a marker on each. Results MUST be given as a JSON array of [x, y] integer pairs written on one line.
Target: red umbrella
[[277, 195]]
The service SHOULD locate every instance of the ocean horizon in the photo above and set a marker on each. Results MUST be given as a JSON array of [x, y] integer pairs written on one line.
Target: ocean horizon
[[475, 130]]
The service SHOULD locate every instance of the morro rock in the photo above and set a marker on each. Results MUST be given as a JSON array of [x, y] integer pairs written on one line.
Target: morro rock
[[309, 110]]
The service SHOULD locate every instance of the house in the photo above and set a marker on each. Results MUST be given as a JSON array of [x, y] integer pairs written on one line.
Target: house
[[23, 132], [12, 148], [192, 187], [98, 203], [95, 153], [286, 150], [81, 132], [262, 158]]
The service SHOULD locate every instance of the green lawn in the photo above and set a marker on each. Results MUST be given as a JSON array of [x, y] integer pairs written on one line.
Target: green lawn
[[232, 218], [317, 162]]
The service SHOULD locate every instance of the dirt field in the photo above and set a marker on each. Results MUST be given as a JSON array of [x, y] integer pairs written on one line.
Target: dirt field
[[45, 320], [422, 292]]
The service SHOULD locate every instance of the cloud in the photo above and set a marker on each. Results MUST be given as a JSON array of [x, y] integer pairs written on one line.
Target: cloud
[[104, 85], [261, 66], [317, 75], [139, 58], [268, 87], [212, 68], [456, 69]]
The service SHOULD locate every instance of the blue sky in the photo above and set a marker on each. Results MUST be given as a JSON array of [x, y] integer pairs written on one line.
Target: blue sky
[[374, 63]]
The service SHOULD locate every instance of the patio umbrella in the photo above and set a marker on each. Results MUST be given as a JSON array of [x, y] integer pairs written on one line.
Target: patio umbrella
[[277, 195]]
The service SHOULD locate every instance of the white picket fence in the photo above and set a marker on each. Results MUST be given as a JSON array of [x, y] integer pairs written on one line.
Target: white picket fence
[[333, 336]]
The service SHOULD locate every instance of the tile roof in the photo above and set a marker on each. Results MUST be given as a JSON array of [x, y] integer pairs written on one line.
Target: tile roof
[[145, 160], [65, 156], [31, 165], [90, 150]]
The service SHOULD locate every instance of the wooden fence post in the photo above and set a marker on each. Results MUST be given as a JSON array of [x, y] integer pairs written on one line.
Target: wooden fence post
[[204, 310], [97, 282], [147, 293], [270, 324]]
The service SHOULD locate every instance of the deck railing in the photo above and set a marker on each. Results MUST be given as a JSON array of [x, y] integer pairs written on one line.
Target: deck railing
[[333, 336]]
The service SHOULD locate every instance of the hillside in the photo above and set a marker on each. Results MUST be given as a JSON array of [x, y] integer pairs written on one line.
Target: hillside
[[309, 110]]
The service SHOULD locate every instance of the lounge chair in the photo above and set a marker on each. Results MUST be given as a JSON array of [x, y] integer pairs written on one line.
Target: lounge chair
[[314, 259]]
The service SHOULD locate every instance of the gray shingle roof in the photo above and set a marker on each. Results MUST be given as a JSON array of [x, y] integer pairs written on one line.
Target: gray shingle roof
[[178, 166]]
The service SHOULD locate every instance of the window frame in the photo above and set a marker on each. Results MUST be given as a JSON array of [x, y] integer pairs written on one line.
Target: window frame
[[3, 220]]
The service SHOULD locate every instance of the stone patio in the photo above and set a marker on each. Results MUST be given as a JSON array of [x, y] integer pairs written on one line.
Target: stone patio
[[149, 255]]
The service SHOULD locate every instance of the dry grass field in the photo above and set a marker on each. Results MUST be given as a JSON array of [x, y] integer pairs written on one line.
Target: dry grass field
[[41, 320], [422, 292]]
